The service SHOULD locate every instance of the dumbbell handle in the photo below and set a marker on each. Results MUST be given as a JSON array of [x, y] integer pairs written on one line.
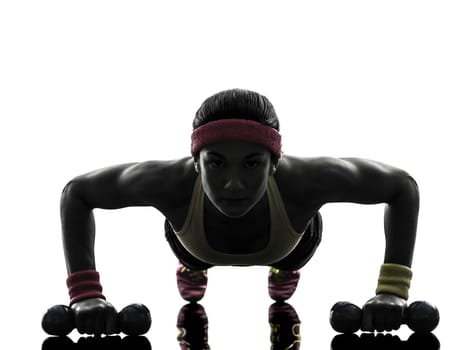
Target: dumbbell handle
[[62, 322], [407, 315]]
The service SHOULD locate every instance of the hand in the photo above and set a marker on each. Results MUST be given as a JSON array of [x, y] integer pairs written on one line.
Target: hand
[[95, 316], [384, 312]]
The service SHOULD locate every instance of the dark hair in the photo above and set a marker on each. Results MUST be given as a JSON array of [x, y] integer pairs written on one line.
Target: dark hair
[[237, 104]]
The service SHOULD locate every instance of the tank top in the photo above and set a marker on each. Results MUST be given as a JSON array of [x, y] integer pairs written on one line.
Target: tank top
[[282, 239]]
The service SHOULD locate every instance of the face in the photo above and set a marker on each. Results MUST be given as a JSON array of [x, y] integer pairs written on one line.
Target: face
[[234, 175]]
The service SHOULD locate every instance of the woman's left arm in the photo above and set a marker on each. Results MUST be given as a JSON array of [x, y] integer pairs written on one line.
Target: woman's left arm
[[368, 182], [396, 188]]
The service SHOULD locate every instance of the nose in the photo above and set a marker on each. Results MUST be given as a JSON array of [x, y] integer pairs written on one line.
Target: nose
[[234, 182]]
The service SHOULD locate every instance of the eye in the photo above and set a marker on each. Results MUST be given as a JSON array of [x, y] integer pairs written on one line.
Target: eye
[[216, 163], [252, 164]]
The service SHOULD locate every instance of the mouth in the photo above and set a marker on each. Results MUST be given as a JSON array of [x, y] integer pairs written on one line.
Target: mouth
[[234, 200]]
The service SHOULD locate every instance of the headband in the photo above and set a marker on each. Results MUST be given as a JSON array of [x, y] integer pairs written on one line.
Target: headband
[[236, 129]]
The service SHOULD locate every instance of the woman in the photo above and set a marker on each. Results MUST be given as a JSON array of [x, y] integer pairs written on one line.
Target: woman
[[239, 201]]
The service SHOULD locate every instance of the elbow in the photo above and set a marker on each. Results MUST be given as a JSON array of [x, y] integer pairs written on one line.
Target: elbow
[[69, 191], [408, 190], [73, 194], [411, 185]]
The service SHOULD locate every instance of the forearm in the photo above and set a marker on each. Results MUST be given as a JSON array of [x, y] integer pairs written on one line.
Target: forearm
[[400, 225], [78, 231]]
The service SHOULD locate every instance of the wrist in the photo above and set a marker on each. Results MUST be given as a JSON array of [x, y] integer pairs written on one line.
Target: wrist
[[84, 285], [394, 279]]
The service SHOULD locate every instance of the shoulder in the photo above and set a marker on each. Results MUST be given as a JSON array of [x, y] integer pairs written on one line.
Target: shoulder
[[169, 180], [312, 171], [326, 169], [326, 179], [317, 165], [302, 180], [162, 184], [159, 170]]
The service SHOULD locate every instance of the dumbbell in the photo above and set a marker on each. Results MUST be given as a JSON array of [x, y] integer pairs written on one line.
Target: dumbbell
[[134, 319], [420, 316]]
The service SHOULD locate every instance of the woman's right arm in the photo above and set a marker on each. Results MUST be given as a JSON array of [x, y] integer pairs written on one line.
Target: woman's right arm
[[135, 184], [108, 188]]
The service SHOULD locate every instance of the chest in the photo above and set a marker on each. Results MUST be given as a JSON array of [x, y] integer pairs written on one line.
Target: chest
[[244, 235], [250, 233]]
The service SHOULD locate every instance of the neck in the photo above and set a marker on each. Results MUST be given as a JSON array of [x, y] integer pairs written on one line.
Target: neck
[[256, 212]]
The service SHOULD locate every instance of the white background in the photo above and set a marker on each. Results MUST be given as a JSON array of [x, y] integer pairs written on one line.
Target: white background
[[88, 84]]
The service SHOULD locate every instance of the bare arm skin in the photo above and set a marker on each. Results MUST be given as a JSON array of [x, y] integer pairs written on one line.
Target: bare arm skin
[[368, 182], [306, 185], [317, 181], [164, 185], [158, 184], [326, 180]]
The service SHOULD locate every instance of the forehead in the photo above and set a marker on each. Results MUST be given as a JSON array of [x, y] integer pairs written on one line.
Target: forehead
[[235, 148]]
